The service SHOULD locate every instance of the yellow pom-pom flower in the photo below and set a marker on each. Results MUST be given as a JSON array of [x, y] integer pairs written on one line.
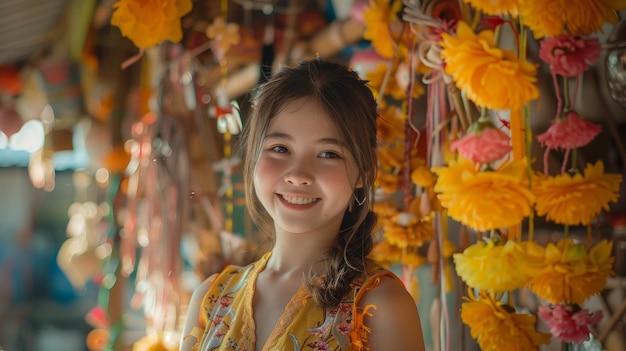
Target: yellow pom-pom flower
[[497, 327], [485, 200], [576, 17], [407, 230], [576, 199], [496, 7], [378, 19], [571, 274], [497, 266], [149, 22], [491, 77]]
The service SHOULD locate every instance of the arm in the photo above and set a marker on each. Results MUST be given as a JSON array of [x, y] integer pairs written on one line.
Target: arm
[[192, 320], [395, 323]]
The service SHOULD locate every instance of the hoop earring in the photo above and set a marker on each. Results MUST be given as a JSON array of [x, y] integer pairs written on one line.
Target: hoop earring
[[361, 202]]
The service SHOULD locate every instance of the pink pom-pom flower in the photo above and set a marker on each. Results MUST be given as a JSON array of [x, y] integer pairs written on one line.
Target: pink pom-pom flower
[[569, 133], [569, 323], [569, 56], [483, 143]]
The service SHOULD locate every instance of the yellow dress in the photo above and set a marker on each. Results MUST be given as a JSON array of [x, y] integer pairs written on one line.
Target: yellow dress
[[226, 315]]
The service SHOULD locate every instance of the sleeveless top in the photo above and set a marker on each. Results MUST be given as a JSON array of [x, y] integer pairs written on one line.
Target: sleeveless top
[[227, 322]]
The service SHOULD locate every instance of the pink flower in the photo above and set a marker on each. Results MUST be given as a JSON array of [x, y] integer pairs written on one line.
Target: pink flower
[[483, 143], [569, 323], [319, 345], [569, 56], [569, 133], [344, 328]]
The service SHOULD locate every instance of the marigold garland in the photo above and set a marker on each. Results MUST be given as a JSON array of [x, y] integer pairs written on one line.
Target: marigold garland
[[491, 77], [378, 19], [392, 87], [497, 327], [149, 22], [576, 199], [497, 266], [571, 274], [576, 17], [413, 234], [497, 7], [505, 199]]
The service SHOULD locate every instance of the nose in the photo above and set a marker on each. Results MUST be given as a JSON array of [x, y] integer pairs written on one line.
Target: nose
[[299, 174]]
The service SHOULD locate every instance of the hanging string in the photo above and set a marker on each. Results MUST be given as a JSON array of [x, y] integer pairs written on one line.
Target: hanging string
[[228, 196]]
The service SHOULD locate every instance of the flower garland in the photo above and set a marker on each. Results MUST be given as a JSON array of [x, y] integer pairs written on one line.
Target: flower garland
[[149, 22], [487, 182]]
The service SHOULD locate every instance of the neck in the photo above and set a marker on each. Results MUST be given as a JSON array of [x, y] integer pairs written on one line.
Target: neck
[[296, 258]]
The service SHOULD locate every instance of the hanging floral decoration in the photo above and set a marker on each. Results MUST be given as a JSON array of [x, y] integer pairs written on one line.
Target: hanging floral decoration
[[570, 273], [491, 77], [576, 199], [570, 323], [499, 266], [505, 197], [576, 17], [497, 326], [384, 29], [149, 22], [483, 143], [225, 35], [487, 182], [496, 7]]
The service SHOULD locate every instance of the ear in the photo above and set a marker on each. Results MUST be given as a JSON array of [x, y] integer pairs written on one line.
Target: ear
[[359, 183]]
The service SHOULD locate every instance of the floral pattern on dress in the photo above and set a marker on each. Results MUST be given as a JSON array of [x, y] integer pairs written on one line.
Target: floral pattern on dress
[[229, 326]]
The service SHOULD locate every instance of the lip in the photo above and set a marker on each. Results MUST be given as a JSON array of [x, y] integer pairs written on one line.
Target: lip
[[291, 205]]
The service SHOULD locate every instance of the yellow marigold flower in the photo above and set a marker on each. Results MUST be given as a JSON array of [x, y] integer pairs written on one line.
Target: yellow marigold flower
[[572, 275], [392, 87], [149, 22], [423, 177], [497, 327], [385, 253], [413, 233], [388, 254], [390, 124], [495, 266], [576, 199], [496, 7], [378, 19], [485, 200], [388, 182], [576, 17], [384, 206], [490, 76]]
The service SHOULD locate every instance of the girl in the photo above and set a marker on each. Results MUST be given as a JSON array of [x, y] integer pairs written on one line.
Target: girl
[[309, 166]]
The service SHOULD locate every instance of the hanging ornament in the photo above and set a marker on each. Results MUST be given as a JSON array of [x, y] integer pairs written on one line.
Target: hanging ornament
[[227, 113]]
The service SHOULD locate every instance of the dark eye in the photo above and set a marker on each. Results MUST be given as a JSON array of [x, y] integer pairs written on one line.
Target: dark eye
[[279, 149], [329, 154]]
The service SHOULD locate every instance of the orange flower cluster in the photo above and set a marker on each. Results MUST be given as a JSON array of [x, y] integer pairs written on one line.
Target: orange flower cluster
[[576, 17], [576, 199], [570, 274], [491, 77], [149, 22], [488, 199], [496, 326]]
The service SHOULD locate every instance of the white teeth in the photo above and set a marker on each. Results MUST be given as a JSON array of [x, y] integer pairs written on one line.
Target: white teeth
[[298, 200]]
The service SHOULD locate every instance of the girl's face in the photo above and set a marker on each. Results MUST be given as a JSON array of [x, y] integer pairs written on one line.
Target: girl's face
[[305, 174]]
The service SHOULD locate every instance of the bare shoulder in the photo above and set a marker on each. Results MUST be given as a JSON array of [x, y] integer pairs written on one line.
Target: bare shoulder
[[395, 322]]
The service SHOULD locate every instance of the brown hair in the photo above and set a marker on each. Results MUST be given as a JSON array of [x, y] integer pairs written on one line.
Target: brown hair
[[351, 106]]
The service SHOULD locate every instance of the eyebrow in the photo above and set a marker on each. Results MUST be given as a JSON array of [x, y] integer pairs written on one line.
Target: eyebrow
[[285, 136]]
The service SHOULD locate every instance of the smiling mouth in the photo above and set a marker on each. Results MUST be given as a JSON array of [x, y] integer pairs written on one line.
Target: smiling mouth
[[299, 200]]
